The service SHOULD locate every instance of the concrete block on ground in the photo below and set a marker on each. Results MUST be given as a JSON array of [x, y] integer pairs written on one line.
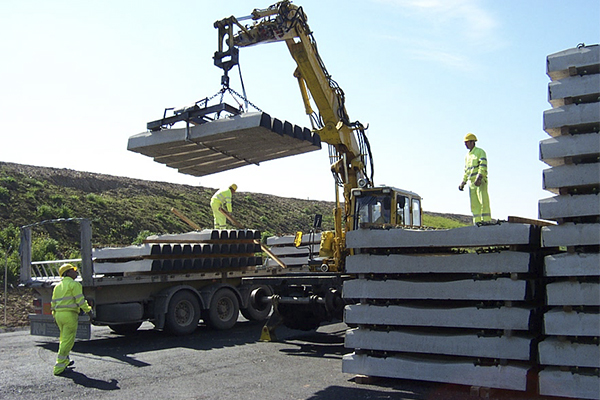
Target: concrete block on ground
[[469, 236], [224, 144], [569, 206], [571, 176], [557, 352], [562, 323], [457, 372], [554, 382], [555, 151], [573, 87], [469, 345], [513, 318], [558, 64], [576, 264], [570, 234], [486, 263], [575, 117], [464, 289], [573, 294]]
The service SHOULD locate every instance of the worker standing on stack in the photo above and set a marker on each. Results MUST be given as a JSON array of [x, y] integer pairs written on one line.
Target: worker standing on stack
[[67, 300], [221, 201], [476, 172]]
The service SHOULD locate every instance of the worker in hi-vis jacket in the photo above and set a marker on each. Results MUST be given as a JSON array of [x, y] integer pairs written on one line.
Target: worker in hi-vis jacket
[[220, 203], [476, 173], [67, 300]]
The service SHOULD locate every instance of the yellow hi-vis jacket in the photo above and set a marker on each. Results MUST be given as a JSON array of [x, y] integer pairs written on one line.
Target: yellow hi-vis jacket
[[68, 296], [475, 164], [222, 199]]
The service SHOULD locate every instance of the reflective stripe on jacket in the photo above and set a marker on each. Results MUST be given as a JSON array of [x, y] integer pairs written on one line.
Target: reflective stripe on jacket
[[222, 198], [68, 296], [475, 164]]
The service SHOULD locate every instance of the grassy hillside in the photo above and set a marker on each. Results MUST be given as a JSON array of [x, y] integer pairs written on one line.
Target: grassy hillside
[[124, 210]]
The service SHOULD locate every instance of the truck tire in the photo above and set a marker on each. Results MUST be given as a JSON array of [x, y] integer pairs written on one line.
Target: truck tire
[[125, 329], [224, 310], [183, 313], [257, 309]]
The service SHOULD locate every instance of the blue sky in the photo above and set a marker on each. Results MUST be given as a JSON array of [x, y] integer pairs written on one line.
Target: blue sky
[[79, 77]]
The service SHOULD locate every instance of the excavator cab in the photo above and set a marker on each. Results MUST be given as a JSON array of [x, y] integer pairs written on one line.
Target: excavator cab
[[385, 206]]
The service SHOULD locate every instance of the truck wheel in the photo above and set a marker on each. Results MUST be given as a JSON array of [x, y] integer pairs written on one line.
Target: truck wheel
[[125, 329], [258, 310], [224, 310], [183, 313]]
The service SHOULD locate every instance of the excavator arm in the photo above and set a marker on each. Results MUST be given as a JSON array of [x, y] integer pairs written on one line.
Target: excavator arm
[[349, 149]]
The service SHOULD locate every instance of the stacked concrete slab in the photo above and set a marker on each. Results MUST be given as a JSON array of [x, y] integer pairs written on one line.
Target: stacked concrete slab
[[456, 306], [205, 250], [569, 353], [284, 248], [225, 144]]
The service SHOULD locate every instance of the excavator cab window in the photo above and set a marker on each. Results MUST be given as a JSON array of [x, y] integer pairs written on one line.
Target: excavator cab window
[[375, 209]]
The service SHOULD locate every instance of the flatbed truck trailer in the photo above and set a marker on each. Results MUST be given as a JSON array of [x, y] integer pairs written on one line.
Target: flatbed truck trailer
[[173, 281]]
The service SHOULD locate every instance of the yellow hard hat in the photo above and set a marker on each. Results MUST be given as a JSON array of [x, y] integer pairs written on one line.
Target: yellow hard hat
[[233, 186], [470, 136], [65, 267]]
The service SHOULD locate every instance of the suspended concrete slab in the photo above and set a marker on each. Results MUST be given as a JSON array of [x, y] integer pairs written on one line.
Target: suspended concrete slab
[[574, 88], [225, 144], [571, 234], [571, 176], [572, 118]]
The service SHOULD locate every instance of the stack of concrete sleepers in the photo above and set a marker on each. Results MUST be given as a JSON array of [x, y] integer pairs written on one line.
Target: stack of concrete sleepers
[[430, 307], [225, 144], [284, 248], [193, 251], [569, 353]]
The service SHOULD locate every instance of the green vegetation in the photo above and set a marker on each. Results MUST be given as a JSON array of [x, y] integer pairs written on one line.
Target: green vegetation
[[124, 211]]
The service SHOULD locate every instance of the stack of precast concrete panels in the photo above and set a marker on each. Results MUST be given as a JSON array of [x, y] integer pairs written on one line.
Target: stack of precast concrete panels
[[205, 250], [284, 248], [225, 144], [569, 354], [455, 306]]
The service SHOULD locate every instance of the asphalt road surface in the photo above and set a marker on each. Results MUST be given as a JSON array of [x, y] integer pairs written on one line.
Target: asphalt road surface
[[208, 364]]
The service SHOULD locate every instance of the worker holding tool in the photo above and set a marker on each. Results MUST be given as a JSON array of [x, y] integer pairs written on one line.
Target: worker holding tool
[[67, 300], [221, 205], [476, 172]]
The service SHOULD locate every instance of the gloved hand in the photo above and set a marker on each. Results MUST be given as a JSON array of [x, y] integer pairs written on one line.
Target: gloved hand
[[478, 180], [461, 187]]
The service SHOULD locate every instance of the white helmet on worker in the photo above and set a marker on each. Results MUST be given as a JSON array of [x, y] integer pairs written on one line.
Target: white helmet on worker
[[469, 136], [66, 267], [233, 187]]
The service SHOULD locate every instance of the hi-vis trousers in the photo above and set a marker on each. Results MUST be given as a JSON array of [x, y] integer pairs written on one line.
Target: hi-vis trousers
[[480, 202], [67, 323]]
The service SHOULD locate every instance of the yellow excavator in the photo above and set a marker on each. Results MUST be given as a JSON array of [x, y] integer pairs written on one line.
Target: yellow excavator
[[304, 300], [349, 149]]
